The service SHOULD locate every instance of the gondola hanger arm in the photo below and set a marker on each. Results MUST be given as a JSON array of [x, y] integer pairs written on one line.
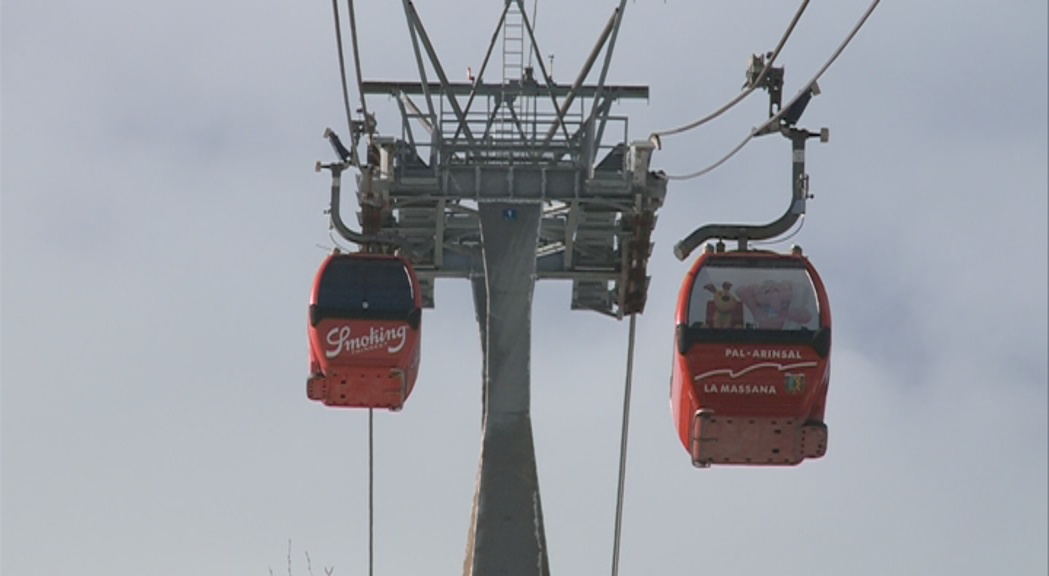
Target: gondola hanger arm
[[743, 233], [334, 212]]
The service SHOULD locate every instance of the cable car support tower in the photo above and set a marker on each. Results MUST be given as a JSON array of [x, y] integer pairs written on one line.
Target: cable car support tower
[[502, 183]]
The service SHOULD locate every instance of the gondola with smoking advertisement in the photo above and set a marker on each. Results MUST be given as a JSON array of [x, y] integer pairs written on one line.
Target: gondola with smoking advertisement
[[364, 331]]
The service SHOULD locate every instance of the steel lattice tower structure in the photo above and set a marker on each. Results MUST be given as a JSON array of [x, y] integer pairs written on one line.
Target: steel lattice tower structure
[[505, 183]]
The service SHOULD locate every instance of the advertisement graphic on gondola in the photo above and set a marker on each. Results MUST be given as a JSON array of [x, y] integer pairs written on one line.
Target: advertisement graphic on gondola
[[346, 340]]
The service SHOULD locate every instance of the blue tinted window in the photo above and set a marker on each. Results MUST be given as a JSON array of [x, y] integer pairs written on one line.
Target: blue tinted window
[[368, 285]]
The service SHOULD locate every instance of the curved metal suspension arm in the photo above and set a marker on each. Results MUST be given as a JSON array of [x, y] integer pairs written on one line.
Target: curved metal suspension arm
[[336, 215], [746, 232]]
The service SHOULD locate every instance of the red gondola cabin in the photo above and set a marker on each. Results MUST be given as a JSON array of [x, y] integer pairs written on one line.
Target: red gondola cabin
[[751, 359], [364, 328]]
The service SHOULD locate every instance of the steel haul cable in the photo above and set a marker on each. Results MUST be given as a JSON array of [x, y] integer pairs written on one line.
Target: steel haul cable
[[368, 126], [371, 491], [753, 85], [623, 446], [357, 65], [775, 118], [342, 66]]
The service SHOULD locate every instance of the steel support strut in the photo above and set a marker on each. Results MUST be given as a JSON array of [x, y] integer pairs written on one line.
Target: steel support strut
[[506, 528]]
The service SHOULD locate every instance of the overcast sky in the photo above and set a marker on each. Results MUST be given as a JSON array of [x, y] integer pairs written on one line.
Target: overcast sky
[[161, 226]]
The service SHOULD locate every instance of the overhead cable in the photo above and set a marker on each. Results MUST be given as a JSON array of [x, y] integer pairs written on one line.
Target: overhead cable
[[624, 433], [752, 85], [371, 491], [801, 93], [357, 67], [342, 66]]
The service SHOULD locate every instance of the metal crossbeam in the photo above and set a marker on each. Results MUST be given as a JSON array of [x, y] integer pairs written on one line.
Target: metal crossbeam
[[394, 88], [585, 228]]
